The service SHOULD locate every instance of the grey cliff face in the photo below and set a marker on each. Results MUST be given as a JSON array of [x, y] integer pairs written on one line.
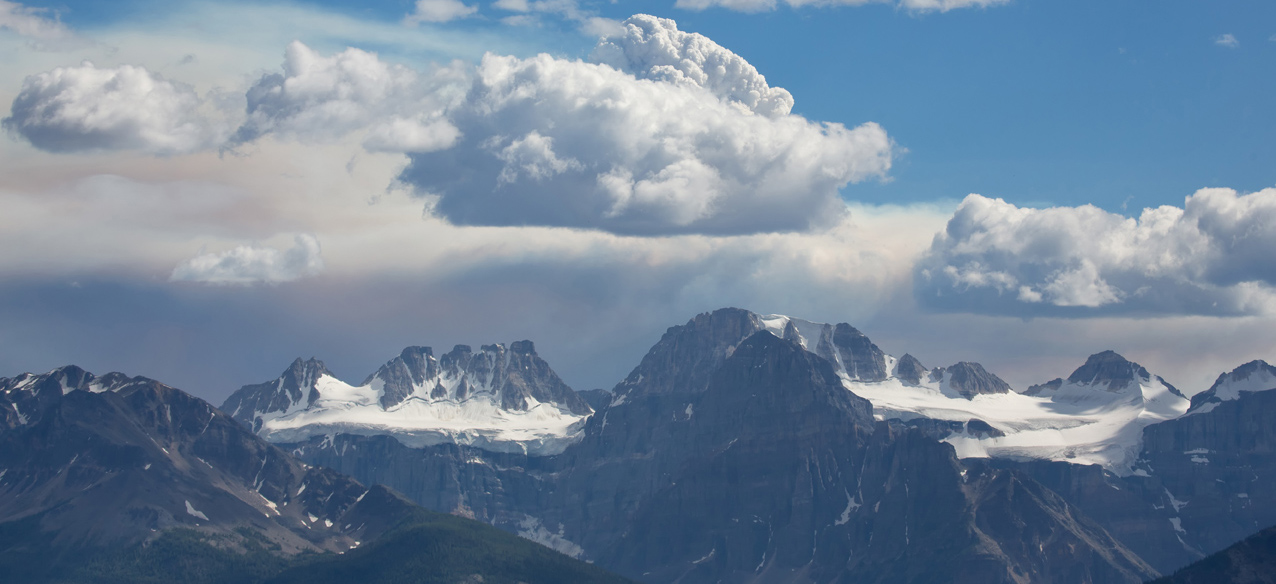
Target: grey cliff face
[[970, 379]]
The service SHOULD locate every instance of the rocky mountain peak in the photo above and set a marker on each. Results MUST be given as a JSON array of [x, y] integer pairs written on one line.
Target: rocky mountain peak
[[1109, 367], [686, 354], [523, 347], [1254, 376], [909, 370], [970, 379]]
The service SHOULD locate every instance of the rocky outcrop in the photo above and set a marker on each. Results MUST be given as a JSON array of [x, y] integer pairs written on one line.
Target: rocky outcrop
[[969, 380], [909, 370]]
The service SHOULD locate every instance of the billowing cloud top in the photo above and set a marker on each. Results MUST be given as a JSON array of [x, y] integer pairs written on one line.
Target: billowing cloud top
[[1213, 256], [653, 48], [679, 136]]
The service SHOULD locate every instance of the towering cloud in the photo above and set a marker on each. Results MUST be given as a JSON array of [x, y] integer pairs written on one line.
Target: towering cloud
[[1213, 256], [123, 108], [669, 133]]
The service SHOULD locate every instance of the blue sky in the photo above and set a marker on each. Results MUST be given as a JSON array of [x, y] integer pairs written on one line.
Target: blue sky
[[223, 234]]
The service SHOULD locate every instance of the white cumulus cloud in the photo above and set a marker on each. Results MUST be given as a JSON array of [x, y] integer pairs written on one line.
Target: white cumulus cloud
[[318, 97], [83, 108], [765, 5], [1213, 256], [251, 264], [671, 133], [440, 11]]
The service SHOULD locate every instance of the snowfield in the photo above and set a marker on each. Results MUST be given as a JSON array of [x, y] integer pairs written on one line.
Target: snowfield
[[1078, 423], [418, 421]]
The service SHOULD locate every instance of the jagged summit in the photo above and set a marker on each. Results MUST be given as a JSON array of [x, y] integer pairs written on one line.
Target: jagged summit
[[24, 397], [1251, 377], [497, 398]]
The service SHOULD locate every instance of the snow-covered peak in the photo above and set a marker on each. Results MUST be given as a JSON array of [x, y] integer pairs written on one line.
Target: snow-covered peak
[[498, 398], [1251, 377]]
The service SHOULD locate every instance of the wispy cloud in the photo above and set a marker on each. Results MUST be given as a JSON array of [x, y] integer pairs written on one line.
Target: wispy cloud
[[252, 264], [440, 11], [1227, 40], [33, 23]]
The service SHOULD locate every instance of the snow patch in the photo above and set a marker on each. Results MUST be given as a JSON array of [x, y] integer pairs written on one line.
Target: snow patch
[[190, 510], [1078, 423], [1178, 525], [420, 420], [851, 506], [530, 528], [1177, 504]]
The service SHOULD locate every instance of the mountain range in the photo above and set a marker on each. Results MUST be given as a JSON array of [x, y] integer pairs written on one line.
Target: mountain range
[[742, 448]]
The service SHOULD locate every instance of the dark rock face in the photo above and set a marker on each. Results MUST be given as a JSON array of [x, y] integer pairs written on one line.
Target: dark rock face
[[970, 379], [294, 388], [909, 370], [849, 348], [119, 460], [1044, 388], [1108, 367], [596, 398], [413, 367], [1246, 372], [1251, 561], [1221, 466]]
